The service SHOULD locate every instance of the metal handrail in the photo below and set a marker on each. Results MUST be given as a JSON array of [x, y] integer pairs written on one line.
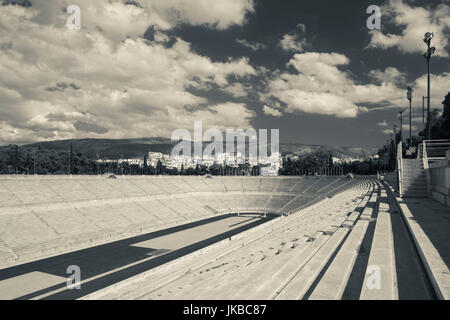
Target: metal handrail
[[426, 167], [400, 168], [435, 149]]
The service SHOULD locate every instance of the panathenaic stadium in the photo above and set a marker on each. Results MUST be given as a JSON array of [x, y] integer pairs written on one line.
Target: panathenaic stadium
[[162, 237]]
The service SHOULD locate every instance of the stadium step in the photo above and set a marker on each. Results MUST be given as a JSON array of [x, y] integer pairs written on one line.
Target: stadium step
[[381, 264], [365, 254], [139, 287], [193, 281], [299, 286], [251, 277], [134, 206], [414, 179], [245, 272], [415, 189], [391, 270], [269, 279], [333, 282]]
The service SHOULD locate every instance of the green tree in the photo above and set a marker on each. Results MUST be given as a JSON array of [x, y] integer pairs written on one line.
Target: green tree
[[160, 168]]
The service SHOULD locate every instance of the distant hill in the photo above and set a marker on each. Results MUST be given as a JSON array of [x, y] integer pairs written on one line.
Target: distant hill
[[110, 148], [132, 148]]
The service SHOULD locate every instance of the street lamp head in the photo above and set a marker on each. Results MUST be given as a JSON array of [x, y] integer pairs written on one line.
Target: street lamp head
[[409, 93], [429, 53], [428, 36]]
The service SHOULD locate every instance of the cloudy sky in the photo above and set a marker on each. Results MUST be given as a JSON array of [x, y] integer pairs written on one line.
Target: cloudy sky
[[147, 67]]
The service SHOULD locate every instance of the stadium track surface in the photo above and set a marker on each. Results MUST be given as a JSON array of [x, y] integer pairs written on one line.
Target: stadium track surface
[[110, 263]]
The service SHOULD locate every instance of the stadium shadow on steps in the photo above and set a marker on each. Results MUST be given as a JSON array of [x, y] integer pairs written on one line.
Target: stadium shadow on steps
[[412, 283], [356, 280], [104, 258], [434, 219], [324, 270], [313, 286]]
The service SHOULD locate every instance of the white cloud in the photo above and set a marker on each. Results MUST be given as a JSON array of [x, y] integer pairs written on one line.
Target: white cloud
[[389, 75], [318, 87], [414, 22], [440, 86], [254, 46], [295, 41], [217, 13], [383, 124], [57, 83], [106, 81], [237, 90], [385, 95], [118, 20], [271, 111]]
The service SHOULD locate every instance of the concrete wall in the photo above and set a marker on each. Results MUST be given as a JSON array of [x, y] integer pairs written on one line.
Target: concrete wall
[[440, 180]]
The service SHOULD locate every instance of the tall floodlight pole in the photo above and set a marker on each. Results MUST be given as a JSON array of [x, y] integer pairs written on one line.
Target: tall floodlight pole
[[423, 109], [409, 96], [395, 134], [430, 51]]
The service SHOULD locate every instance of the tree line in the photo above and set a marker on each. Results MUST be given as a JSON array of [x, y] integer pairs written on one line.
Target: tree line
[[26, 160], [321, 163], [440, 129]]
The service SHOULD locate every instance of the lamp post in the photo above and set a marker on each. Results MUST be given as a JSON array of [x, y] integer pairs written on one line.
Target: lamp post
[[423, 109], [400, 117], [430, 51], [395, 134], [409, 96]]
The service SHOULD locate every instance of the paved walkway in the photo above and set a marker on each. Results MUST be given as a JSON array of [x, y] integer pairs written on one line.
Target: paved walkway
[[429, 223]]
